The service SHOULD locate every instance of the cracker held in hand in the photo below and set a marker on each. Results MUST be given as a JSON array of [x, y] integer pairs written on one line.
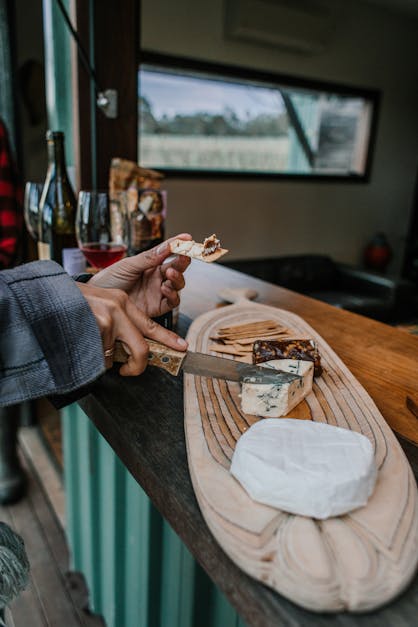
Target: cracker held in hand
[[209, 251]]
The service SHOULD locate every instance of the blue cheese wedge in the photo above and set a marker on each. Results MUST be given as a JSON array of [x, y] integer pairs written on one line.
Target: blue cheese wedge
[[272, 400]]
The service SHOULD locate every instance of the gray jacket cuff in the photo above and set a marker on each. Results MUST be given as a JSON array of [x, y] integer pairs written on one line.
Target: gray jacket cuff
[[56, 345]]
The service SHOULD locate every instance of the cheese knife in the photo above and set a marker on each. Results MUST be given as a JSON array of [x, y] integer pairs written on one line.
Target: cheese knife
[[204, 365]]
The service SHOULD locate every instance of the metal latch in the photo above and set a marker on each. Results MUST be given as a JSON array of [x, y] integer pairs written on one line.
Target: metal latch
[[107, 101]]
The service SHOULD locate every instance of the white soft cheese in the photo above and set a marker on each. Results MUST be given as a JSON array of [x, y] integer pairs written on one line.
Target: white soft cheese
[[180, 246], [196, 250], [305, 467], [272, 400], [189, 248]]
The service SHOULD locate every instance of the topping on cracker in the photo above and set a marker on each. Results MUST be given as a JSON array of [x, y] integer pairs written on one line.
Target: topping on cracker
[[210, 245], [306, 350]]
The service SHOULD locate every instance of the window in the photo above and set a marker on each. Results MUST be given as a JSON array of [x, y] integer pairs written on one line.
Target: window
[[207, 119]]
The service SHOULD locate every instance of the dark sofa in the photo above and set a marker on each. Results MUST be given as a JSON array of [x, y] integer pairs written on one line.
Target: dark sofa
[[379, 297]]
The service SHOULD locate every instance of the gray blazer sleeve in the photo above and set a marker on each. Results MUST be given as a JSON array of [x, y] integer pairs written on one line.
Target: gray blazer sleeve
[[49, 340]]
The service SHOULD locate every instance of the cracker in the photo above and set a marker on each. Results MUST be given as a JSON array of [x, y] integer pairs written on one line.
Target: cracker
[[243, 328], [195, 250], [226, 350], [263, 336]]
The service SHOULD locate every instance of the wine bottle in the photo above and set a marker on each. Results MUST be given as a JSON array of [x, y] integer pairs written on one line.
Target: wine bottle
[[57, 206]]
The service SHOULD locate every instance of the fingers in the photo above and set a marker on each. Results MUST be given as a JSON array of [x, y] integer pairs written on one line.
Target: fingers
[[136, 348], [174, 282], [110, 309], [126, 329], [150, 329], [174, 278], [171, 299], [153, 257], [130, 269], [179, 263], [118, 318]]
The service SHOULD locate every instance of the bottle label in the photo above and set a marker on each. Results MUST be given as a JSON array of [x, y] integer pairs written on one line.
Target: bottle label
[[73, 261], [44, 251]]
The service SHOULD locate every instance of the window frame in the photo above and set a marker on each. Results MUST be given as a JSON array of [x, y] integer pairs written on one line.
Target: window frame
[[283, 80]]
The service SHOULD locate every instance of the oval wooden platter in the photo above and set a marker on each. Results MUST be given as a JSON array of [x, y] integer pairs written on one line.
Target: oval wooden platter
[[355, 562]]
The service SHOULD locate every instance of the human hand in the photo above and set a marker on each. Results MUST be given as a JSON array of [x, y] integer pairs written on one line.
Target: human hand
[[118, 318], [151, 284]]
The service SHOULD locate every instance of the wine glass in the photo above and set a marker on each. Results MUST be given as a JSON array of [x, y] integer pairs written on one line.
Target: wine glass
[[31, 200], [100, 229]]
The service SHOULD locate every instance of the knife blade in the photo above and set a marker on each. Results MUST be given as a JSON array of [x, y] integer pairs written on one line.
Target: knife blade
[[204, 365]]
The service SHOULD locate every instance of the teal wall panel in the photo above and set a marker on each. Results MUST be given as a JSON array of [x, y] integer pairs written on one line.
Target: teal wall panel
[[138, 571], [58, 77], [177, 582]]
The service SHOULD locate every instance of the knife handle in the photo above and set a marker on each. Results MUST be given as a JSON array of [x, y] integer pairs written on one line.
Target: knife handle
[[159, 355]]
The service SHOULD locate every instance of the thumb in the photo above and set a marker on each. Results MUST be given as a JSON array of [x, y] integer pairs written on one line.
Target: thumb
[[155, 256]]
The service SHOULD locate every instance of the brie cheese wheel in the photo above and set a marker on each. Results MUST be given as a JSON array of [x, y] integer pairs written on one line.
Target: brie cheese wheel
[[306, 468], [272, 400]]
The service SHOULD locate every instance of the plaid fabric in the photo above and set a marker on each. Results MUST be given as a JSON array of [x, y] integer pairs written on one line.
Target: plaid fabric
[[49, 340], [10, 204]]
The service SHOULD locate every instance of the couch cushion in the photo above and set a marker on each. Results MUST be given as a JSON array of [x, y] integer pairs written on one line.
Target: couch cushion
[[306, 273], [347, 287], [360, 303], [301, 273]]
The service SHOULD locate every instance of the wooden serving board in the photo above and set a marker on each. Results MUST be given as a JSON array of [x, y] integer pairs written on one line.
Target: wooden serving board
[[355, 562]]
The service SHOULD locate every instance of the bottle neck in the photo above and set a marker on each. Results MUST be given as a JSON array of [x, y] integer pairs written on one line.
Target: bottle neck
[[56, 157]]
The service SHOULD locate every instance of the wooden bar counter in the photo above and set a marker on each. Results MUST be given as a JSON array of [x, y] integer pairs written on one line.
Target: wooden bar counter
[[142, 419]]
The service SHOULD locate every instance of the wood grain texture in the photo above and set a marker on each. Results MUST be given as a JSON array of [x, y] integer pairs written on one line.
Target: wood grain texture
[[412, 405], [355, 562], [54, 596], [382, 358]]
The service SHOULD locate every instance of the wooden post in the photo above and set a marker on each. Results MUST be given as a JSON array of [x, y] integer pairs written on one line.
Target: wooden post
[[111, 35]]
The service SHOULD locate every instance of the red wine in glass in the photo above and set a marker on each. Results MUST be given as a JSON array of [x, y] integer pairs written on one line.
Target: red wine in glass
[[102, 255], [100, 229]]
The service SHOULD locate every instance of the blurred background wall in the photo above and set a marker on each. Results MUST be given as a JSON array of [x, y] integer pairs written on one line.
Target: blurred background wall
[[369, 44]]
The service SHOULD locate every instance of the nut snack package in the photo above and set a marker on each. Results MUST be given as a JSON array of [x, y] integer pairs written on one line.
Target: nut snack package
[[136, 196]]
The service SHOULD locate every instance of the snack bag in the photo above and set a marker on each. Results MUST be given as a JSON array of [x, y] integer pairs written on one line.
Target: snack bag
[[136, 192]]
